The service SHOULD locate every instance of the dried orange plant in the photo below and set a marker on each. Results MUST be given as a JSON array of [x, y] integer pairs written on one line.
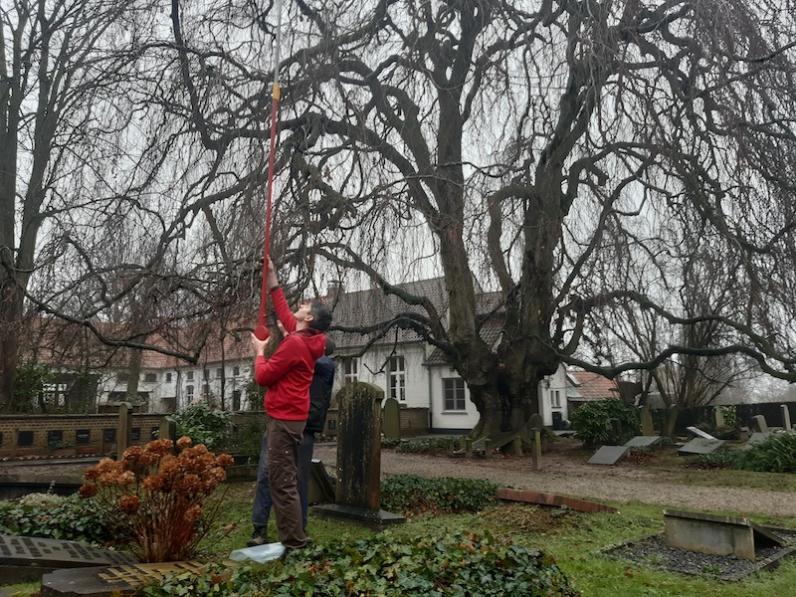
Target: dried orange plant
[[159, 496]]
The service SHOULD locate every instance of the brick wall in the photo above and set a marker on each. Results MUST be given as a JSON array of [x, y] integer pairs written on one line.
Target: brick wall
[[414, 421]]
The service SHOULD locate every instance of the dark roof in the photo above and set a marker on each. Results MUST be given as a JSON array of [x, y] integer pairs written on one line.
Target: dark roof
[[368, 307], [490, 332]]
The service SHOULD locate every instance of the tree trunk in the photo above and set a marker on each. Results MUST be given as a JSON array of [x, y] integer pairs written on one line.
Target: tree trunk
[[134, 372], [10, 314]]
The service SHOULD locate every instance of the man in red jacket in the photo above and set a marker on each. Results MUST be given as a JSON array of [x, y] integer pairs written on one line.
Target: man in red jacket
[[288, 374]]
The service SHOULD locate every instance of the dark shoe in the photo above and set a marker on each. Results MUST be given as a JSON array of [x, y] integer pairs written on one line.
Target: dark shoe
[[258, 538]]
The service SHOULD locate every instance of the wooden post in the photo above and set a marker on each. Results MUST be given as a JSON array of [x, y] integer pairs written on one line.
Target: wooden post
[[125, 429], [537, 449]]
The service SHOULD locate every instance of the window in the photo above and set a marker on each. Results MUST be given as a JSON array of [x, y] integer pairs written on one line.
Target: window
[[135, 436], [154, 433], [397, 378], [205, 374], [122, 377], [109, 435], [82, 436], [350, 370], [205, 390], [236, 400], [55, 438], [235, 371], [189, 392], [219, 373], [453, 393], [168, 377], [189, 376], [555, 398], [24, 438], [150, 377]]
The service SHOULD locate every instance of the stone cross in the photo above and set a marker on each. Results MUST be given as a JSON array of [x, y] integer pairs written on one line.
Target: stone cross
[[786, 418]]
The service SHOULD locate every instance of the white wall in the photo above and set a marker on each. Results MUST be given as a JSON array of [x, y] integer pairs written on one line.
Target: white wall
[[557, 383]]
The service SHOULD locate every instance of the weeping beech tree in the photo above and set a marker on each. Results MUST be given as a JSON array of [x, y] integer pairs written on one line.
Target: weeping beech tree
[[543, 148]]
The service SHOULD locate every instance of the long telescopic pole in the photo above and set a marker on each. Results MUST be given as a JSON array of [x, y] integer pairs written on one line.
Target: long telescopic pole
[[276, 94]]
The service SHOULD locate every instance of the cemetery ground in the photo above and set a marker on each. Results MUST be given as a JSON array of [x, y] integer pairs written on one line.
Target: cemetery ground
[[639, 488]]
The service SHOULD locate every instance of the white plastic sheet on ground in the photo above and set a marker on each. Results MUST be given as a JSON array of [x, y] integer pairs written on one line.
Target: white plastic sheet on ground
[[259, 554]]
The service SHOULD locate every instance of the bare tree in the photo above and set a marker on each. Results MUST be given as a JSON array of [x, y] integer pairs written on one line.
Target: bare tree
[[524, 141]]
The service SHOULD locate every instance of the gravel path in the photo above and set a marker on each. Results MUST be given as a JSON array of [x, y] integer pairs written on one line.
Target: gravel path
[[559, 475]]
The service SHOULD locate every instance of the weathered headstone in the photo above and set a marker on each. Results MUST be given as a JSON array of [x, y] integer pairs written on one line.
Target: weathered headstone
[[114, 580], [786, 425], [699, 433], [701, 445], [391, 419], [167, 429], [647, 425], [720, 535], [357, 492], [608, 455], [124, 431], [757, 438], [718, 418], [759, 424], [28, 558], [644, 442]]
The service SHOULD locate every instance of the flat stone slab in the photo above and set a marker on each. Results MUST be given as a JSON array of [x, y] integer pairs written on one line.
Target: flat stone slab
[[111, 581], [699, 433], [758, 437], [609, 455], [28, 558], [644, 442], [700, 445], [376, 519], [530, 496], [717, 535]]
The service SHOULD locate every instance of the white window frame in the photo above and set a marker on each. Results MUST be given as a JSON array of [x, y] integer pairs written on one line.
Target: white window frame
[[454, 395], [189, 393], [397, 378], [350, 370], [555, 398]]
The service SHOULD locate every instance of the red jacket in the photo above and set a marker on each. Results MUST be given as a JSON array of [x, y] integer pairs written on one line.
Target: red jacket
[[288, 373]]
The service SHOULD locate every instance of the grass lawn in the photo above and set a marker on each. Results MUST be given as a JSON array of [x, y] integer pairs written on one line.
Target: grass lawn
[[573, 540]]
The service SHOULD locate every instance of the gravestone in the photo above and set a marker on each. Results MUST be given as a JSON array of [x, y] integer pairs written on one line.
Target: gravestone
[[644, 442], [699, 433], [647, 425], [759, 424], [113, 580], [391, 418], [124, 431], [786, 425], [167, 429], [28, 558], [758, 438], [718, 418], [358, 489], [701, 445], [719, 535], [608, 455]]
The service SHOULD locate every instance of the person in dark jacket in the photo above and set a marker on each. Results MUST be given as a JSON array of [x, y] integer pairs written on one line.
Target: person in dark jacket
[[320, 400]]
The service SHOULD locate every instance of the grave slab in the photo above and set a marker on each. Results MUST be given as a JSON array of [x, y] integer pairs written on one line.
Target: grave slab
[[719, 535], [699, 433], [644, 442], [608, 455], [28, 558], [375, 519], [114, 581], [700, 445], [529, 496]]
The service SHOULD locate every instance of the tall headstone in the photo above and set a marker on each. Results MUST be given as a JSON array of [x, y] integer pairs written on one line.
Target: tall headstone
[[391, 418], [168, 429], [647, 426], [759, 424], [357, 491], [718, 418], [786, 425], [124, 433]]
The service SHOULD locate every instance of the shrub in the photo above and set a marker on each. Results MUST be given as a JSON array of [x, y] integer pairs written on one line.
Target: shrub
[[55, 517], [410, 494], [777, 454], [426, 445], [605, 422], [158, 497], [456, 564], [204, 425]]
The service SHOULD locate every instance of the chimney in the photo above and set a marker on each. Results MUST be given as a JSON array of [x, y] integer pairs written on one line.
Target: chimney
[[333, 291]]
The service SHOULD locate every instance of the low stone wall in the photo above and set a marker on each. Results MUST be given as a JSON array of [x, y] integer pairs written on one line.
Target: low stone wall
[[74, 435]]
